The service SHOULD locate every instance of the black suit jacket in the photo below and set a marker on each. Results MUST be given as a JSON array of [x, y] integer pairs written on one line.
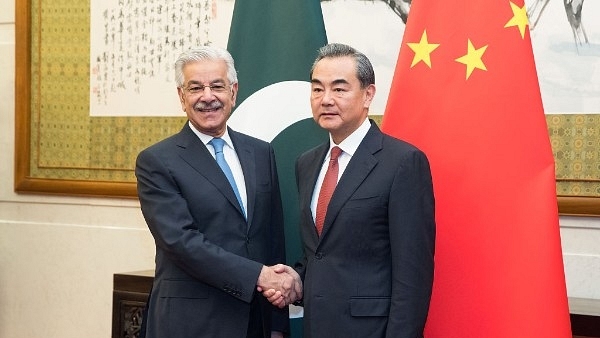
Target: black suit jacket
[[370, 273], [208, 257]]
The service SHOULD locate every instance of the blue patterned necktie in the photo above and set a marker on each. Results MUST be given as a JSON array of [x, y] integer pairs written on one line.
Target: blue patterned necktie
[[218, 143]]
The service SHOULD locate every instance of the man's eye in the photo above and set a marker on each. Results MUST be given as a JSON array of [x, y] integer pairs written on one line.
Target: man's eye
[[195, 89], [218, 88]]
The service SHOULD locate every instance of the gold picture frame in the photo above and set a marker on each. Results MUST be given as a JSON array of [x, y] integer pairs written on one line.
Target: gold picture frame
[[59, 148], [88, 168]]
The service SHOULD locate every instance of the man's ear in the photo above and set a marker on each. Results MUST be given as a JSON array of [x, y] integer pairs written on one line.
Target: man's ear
[[181, 94], [369, 95], [234, 91]]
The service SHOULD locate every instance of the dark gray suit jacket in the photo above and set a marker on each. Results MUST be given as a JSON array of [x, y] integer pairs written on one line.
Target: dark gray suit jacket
[[208, 257], [370, 273]]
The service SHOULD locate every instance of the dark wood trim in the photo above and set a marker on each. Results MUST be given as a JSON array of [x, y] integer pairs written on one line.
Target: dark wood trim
[[22, 90], [579, 206], [585, 325]]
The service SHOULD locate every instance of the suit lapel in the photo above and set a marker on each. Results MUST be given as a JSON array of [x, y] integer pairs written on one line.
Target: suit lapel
[[362, 163], [198, 157], [311, 172]]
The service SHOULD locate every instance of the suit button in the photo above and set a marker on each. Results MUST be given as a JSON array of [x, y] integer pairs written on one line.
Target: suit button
[[319, 255], [247, 240]]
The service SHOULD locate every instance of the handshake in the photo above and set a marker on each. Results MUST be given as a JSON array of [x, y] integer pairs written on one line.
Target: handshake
[[280, 284]]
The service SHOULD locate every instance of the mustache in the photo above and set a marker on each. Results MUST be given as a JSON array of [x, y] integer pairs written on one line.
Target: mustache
[[208, 106]]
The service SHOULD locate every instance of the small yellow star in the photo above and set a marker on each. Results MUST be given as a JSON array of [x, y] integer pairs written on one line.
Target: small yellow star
[[473, 58], [519, 18], [422, 50]]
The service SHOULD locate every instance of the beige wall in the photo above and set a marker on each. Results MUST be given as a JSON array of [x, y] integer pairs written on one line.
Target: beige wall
[[58, 254]]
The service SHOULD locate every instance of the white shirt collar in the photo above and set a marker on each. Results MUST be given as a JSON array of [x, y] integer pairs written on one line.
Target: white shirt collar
[[351, 143], [207, 138]]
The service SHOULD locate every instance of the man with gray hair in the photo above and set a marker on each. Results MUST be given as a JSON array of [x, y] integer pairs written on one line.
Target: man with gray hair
[[211, 199], [367, 215]]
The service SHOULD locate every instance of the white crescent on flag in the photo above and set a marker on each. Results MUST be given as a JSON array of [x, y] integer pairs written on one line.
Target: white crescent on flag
[[271, 109]]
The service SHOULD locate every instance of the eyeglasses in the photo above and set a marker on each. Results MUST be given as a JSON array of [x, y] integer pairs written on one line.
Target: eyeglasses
[[196, 89]]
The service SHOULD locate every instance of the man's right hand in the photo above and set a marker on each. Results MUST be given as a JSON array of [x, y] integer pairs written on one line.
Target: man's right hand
[[280, 284]]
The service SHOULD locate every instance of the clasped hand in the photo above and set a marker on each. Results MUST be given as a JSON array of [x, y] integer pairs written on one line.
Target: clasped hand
[[280, 284]]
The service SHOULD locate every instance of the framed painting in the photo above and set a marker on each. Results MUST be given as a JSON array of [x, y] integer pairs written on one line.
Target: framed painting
[[62, 148]]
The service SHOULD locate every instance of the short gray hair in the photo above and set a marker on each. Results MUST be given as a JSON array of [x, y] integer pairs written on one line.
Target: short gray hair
[[364, 69], [204, 53]]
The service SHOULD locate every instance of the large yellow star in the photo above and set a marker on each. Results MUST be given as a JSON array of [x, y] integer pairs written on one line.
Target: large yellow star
[[519, 18], [422, 50], [473, 58]]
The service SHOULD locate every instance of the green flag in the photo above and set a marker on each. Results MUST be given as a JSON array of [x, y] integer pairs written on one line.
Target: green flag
[[274, 41], [274, 44]]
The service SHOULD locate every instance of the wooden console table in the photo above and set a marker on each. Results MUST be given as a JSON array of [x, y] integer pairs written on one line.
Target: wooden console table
[[130, 294], [585, 317]]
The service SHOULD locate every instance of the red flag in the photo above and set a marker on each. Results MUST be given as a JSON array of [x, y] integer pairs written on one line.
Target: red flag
[[466, 92]]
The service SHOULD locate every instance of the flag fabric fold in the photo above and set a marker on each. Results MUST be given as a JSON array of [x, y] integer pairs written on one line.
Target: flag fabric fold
[[466, 92]]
